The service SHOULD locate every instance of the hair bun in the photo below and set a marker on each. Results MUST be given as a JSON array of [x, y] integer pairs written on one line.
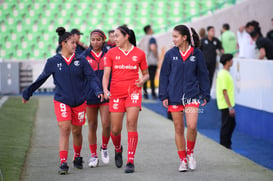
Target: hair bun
[[60, 31]]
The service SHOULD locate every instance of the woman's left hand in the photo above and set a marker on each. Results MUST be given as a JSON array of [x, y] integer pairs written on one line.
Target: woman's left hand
[[204, 103], [139, 82], [101, 97]]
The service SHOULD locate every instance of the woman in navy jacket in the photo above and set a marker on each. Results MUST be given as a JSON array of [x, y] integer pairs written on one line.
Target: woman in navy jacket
[[70, 74], [184, 83], [95, 56]]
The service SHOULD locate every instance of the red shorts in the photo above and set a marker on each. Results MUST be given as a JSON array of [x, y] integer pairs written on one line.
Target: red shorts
[[98, 105], [120, 104], [180, 108], [67, 113]]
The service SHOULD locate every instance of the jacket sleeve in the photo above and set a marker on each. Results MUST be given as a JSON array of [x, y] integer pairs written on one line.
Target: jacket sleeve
[[27, 93], [91, 77], [203, 77], [164, 78]]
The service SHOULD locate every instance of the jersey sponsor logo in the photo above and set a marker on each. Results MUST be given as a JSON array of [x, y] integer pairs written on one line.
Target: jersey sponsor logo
[[81, 116], [128, 67], [192, 58], [135, 58], [175, 58], [117, 57], [77, 63], [59, 65]]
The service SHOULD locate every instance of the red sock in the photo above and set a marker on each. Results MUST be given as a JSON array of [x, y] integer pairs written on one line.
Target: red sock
[[93, 150], [105, 141], [132, 145], [190, 146], [63, 156], [116, 141], [182, 155], [77, 151]]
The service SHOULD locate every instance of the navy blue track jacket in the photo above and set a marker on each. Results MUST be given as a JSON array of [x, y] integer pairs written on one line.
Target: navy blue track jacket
[[98, 68], [183, 80], [70, 80]]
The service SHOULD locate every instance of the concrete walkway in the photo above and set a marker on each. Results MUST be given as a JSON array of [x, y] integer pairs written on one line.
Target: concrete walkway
[[156, 156]]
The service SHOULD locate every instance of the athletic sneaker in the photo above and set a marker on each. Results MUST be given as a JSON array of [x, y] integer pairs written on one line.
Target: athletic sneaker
[[93, 162], [183, 166], [118, 158], [130, 168], [63, 169], [192, 161], [105, 156], [78, 162]]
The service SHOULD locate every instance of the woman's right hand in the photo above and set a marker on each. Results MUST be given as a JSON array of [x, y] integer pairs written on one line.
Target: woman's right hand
[[24, 101], [165, 103], [107, 94]]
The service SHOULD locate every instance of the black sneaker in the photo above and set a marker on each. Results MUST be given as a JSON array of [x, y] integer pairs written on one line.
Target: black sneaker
[[63, 169], [130, 168], [118, 158], [78, 162]]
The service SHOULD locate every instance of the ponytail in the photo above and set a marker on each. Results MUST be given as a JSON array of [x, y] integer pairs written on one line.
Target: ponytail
[[63, 35], [125, 30], [192, 37]]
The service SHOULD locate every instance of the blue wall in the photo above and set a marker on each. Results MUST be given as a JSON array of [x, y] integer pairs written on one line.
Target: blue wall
[[254, 122]]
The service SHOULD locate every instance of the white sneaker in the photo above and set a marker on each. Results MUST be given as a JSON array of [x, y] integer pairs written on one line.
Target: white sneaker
[[192, 161], [183, 166], [105, 156], [93, 162]]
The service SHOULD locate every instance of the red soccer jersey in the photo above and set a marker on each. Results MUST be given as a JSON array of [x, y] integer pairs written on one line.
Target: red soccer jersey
[[124, 67]]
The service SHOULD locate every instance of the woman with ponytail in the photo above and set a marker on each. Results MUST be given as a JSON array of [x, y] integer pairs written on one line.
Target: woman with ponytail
[[183, 85], [71, 74], [125, 94], [94, 55]]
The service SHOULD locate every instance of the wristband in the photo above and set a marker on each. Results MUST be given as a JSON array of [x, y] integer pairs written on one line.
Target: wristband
[[230, 108]]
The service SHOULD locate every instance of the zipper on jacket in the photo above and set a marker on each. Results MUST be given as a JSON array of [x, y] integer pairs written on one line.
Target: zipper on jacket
[[69, 69]]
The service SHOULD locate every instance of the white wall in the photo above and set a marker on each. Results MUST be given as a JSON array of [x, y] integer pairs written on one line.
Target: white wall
[[236, 15]]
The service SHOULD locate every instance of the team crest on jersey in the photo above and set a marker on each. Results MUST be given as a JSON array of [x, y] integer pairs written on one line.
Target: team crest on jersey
[[206, 42], [59, 65], [192, 58], [175, 58], [77, 63], [134, 58], [117, 57], [214, 43]]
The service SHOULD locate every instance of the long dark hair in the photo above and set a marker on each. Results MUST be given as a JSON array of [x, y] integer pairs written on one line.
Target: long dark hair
[[192, 36], [100, 33], [63, 35], [125, 30]]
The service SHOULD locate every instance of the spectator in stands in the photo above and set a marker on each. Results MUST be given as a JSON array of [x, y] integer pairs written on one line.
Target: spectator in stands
[[202, 33], [80, 45], [264, 45], [209, 47], [225, 100], [149, 46], [111, 42], [246, 44], [228, 39], [269, 35]]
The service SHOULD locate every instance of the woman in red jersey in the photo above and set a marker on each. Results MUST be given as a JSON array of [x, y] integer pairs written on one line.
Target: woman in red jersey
[[94, 55], [125, 94]]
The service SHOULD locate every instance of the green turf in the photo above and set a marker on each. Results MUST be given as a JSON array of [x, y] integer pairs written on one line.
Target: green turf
[[16, 121]]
